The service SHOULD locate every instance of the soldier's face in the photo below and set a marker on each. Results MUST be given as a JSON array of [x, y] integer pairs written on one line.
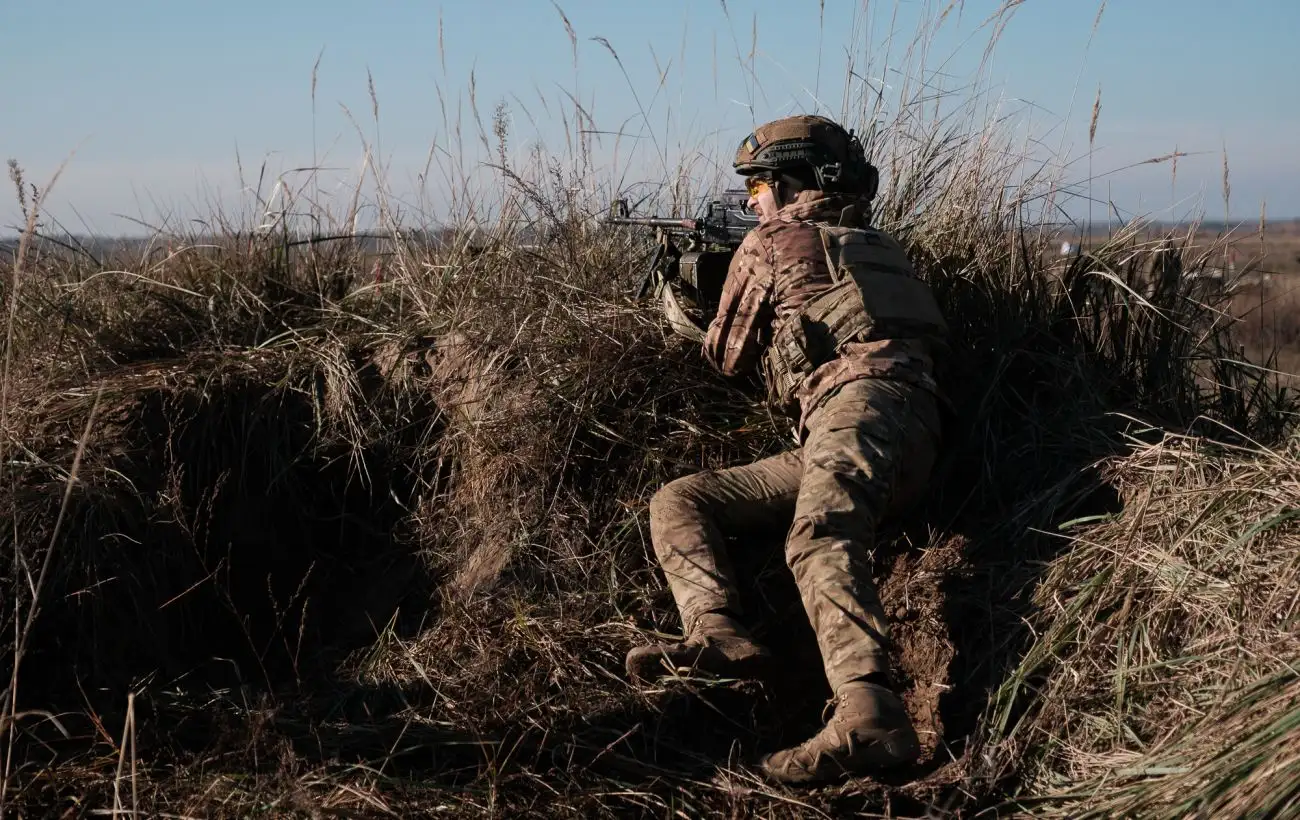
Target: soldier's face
[[761, 199]]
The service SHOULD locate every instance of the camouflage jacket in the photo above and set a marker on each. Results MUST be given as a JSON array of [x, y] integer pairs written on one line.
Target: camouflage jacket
[[778, 267]]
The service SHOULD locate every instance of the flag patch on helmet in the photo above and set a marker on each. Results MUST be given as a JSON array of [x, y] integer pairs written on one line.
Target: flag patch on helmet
[[751, 144]]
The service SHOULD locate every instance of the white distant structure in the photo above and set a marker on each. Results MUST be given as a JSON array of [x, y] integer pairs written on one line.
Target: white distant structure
[[1214, 272], [1066, 249]]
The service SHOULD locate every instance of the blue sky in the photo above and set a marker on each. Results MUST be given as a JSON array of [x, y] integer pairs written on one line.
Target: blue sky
[[158, 98]]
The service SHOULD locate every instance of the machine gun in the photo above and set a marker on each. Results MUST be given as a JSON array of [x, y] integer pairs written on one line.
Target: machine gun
[[691, 257]]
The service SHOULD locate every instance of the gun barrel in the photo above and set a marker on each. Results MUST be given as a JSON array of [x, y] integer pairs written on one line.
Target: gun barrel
[[654, 222]]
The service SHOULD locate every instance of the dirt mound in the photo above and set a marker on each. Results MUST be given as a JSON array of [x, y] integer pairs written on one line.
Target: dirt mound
[[914, 596], [391, 558], [220, 526]]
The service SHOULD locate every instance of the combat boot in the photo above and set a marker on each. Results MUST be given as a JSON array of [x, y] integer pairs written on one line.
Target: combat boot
[[869, 731], [718, 645]]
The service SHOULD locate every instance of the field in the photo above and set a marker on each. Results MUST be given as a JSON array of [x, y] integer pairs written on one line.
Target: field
[[332, 528], [1258, 265]]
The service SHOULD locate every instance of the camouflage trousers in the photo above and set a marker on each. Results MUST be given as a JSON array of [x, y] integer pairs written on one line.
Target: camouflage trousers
[[867, 453]]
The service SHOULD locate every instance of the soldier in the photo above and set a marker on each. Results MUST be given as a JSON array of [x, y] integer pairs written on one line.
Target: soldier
[[846, 337]]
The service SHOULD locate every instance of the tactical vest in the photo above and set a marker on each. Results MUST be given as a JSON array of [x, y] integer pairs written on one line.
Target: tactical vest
[[875, 296]]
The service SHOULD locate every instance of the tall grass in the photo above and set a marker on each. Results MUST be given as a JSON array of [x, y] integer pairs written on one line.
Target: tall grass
[[360, 526]]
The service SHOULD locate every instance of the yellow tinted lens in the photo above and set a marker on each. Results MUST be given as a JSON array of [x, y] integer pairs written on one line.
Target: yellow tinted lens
[[754, 185]]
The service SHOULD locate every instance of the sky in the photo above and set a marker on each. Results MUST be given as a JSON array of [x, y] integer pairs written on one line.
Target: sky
[[152, 107]]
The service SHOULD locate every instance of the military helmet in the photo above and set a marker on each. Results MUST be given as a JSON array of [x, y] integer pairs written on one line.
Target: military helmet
[[834, 155]]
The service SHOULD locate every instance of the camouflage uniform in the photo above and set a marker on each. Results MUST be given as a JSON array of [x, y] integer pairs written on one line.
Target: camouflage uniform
[[845, 335], [869, 425]]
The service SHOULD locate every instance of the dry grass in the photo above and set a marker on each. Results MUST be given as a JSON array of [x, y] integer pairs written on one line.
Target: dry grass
[[1169, 644], [1269, 330], [339, 544]]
